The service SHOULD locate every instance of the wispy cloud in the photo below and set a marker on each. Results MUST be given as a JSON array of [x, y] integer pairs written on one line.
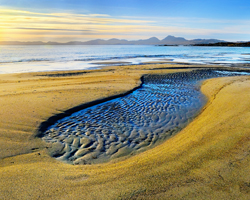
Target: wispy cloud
[[50, 29], [39, 23], [26, 25]]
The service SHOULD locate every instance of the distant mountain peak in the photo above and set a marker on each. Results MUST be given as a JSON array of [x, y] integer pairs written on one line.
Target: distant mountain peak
[[169, 40], [153, 39], [173, 38]]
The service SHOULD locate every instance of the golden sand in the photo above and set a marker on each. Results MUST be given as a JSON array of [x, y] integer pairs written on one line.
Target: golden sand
[[209, 159]]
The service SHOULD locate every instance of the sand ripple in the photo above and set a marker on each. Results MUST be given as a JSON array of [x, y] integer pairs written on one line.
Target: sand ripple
[[160, 108]]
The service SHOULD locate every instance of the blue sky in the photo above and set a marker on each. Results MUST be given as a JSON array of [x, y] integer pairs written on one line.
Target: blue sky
[[67, 20]]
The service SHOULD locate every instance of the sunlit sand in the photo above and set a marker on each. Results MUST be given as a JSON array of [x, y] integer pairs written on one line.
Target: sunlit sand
[[208, 158]]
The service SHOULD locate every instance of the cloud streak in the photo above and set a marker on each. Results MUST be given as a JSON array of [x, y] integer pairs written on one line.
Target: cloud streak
[[21, 24], [51, 29]]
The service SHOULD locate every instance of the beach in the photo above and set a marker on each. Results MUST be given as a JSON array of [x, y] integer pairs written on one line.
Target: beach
[[208, 159]]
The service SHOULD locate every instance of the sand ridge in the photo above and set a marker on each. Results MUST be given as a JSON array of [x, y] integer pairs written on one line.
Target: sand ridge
[[208, 159]]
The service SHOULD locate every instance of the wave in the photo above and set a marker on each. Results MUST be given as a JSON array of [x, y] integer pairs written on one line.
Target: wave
[[26, 60], [123, 57], [86, 59]]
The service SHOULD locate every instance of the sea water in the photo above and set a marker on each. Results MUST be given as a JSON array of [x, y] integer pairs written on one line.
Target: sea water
[[34, 58]]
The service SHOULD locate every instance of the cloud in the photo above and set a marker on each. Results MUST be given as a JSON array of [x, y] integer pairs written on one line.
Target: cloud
[[51, 29], [21, 24], [62, 22], [19, 16]]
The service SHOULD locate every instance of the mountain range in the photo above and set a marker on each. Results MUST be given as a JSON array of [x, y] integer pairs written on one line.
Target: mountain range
[[169, 40]]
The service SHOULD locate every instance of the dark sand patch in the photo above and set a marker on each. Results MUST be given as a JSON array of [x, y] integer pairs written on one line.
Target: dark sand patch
[[111, 63], [66, 73]]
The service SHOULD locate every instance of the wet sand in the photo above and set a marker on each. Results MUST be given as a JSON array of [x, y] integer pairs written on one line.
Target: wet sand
[[208, 159]]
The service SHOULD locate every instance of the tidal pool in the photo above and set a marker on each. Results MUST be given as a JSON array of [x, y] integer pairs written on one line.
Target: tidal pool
[[161, 107]]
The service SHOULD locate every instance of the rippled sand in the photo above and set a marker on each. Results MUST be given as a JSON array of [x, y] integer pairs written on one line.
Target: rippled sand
[[126, 125], [208, 159]]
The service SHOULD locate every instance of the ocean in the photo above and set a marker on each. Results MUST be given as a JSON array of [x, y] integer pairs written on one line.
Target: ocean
[[35, 58]]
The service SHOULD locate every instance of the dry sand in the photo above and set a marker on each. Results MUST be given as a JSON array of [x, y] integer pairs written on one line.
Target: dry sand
[[209, 159]]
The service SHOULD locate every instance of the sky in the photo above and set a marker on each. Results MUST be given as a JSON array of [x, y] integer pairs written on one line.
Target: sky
[[83, 20]]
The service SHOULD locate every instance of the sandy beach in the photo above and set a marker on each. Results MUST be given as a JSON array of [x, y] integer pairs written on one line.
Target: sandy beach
[[208, 159]]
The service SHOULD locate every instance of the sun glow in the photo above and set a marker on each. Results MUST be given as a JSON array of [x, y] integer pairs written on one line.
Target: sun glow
[[22, 25]]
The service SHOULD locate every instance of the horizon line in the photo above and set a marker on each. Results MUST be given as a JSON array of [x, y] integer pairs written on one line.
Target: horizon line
[[59, 42]]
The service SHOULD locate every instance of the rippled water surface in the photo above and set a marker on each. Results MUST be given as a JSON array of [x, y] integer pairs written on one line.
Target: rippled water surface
[[130, 124]]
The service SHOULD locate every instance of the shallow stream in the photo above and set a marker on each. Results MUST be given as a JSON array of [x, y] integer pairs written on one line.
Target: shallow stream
[[127, 125]]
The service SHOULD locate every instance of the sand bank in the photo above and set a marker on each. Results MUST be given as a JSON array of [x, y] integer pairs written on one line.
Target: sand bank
[[209, 158]]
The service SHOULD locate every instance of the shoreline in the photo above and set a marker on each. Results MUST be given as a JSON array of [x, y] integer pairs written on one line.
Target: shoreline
[[27, 161], [115, 64]]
